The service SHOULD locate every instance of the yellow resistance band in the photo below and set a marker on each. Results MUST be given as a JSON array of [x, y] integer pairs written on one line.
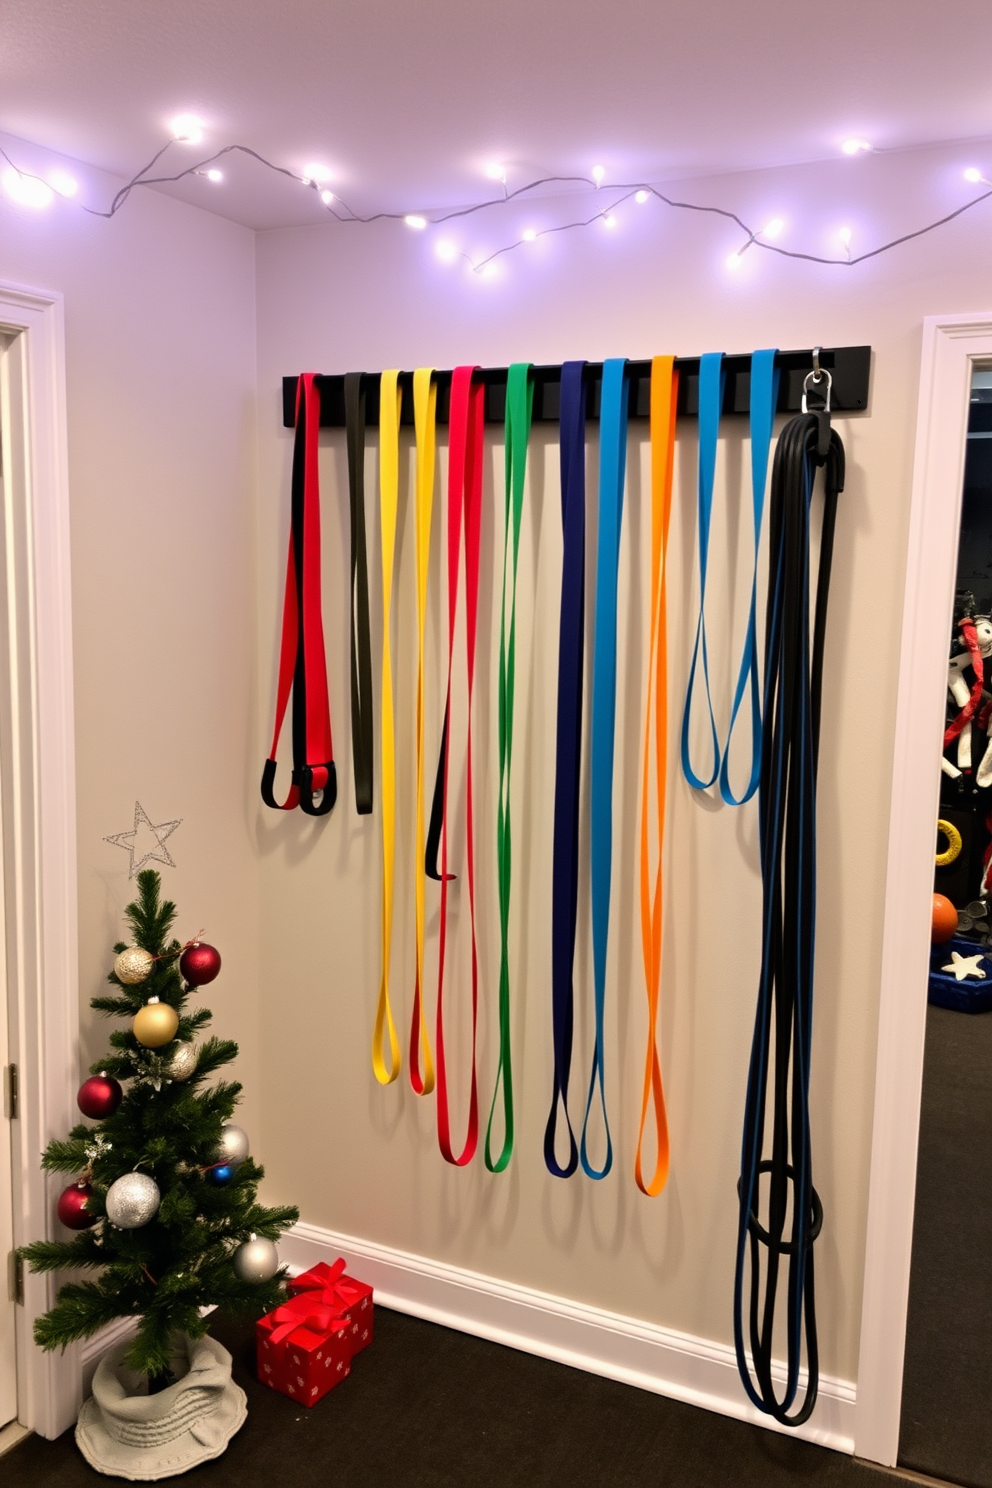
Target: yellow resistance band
[[424, 409], [389, 479]]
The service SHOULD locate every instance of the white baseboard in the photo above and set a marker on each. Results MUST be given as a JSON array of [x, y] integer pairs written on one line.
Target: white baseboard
[[11, 1435], [694, 1370]]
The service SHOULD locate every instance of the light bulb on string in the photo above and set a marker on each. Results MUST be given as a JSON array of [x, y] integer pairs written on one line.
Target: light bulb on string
[[318, 174], [974, 175], [214, 175], [327, 197], [529, 235], [855, 146], [187, 129], [446, 250], [610, 221], [772, 229], [27, 190], [845, 236], [733, 261], [641, 197], [496, 172], [415, 221], [598, 173]]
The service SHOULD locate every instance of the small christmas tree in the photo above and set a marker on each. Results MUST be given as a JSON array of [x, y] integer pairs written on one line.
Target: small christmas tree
[[166, 1146]]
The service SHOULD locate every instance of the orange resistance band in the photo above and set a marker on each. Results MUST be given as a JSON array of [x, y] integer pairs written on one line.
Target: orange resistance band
[[664, 395]]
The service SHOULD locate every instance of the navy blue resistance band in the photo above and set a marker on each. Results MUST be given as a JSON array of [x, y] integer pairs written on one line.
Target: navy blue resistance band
[[763, 398], [612, 465], [565, 871]]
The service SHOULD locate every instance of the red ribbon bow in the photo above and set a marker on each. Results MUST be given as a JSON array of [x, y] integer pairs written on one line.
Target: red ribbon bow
[[306, 1311], [335, 1289]]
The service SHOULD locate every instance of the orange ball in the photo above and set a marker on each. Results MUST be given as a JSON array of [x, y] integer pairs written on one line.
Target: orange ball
[[945, 919]]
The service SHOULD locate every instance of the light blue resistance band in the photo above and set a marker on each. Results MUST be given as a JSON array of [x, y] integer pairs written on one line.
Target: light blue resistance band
[[764, 395], [612, 466]]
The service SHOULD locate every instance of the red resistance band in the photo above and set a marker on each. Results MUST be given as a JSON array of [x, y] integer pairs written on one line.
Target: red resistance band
[[302, 666], [465, 425], [967, 712]]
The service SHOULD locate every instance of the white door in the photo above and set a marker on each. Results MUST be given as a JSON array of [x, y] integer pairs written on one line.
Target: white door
[[8, 1368]]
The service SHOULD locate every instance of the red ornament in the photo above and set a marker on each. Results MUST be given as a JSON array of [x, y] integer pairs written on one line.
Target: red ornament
[[199, 963], [945, 919], [99, 1097], [72, 1207]]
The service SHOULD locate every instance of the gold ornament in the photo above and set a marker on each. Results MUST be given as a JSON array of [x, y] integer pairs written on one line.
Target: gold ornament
[[183, 1062], [155, 1024], [133, 965]]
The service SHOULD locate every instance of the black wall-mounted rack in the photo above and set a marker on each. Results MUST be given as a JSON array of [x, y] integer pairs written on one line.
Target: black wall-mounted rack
[[849, 367]]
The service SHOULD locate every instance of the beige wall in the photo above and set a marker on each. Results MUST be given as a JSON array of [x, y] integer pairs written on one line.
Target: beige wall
[[160, 356], [364, 1160]]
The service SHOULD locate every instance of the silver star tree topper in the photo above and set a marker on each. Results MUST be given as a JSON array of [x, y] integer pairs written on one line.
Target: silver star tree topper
[[146, 841]]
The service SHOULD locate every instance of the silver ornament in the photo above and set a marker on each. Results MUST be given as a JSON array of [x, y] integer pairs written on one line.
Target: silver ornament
[[183, 1062], [133, 965], [132, 1200], [256, 1260], [233, 1145]]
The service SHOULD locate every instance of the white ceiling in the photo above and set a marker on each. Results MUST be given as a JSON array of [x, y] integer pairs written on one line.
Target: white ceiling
[[408, 99]]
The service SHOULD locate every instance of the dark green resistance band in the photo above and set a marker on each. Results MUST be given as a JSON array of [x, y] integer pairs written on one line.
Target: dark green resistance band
[[519, 407]]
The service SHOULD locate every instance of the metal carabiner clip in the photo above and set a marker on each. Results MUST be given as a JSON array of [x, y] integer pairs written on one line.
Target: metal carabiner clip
[[816, 377]]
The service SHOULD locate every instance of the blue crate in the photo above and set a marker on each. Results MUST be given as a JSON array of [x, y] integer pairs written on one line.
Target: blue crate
[[969, 995]]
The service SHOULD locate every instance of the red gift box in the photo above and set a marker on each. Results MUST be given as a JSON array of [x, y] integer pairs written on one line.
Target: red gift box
[[304, 1348], [351, 1298]]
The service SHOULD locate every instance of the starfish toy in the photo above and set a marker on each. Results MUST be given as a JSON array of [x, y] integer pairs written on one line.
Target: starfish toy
[[965, 966]]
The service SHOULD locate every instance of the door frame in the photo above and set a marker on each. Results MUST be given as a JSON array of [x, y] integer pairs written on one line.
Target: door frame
[[40, 873], [952, 346]]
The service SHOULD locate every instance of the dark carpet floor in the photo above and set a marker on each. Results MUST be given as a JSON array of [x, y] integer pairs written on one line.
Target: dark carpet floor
[[426, 1406], [947, 1393]]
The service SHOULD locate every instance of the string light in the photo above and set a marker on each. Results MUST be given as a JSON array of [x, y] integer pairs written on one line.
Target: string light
[[317, 173], [496, 173], [31, 189], [845, 238], [26, 190], [770, 230], [187, 129], [609, 221], [446, 251], [855, 146], [213, 174]]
